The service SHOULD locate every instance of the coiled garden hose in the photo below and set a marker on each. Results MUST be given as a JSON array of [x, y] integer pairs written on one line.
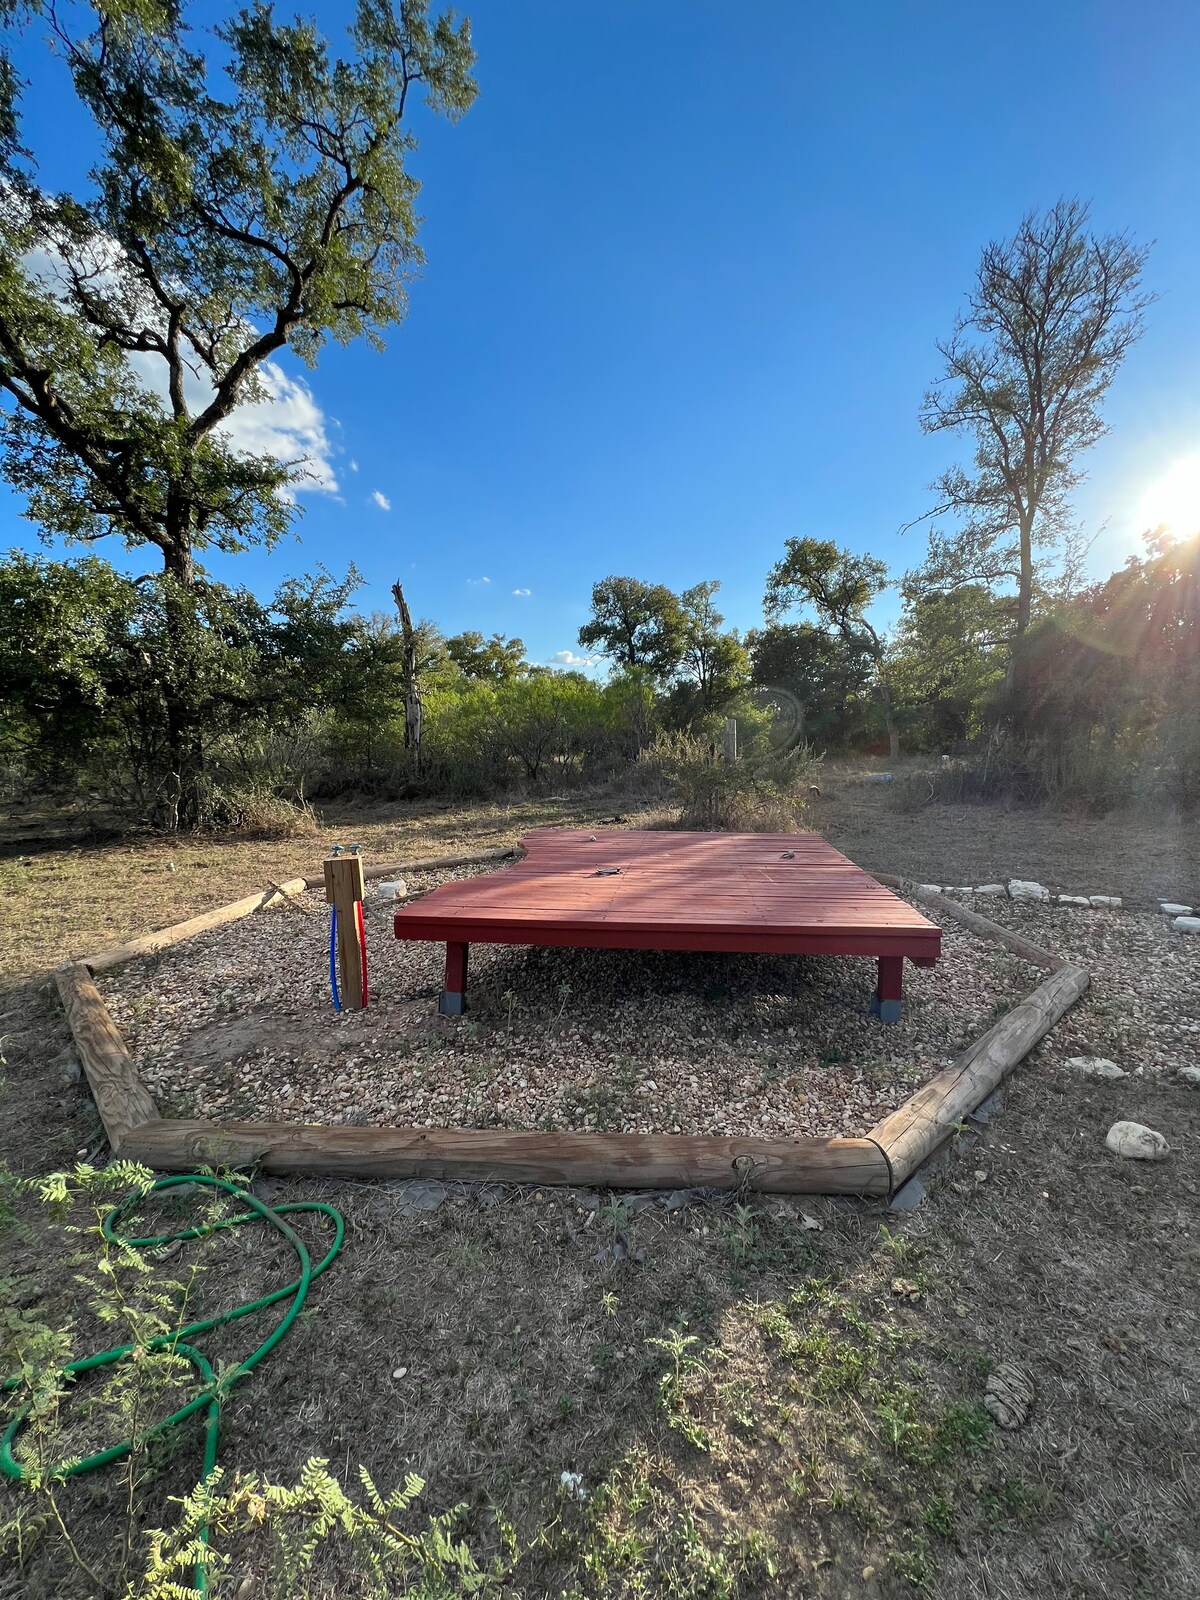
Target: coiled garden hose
[[212, 1394]]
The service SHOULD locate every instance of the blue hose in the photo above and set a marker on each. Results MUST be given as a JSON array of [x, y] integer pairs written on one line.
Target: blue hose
[[333, 984]]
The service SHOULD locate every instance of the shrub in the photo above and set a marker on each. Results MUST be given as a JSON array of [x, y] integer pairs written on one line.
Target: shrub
[[764, 792]]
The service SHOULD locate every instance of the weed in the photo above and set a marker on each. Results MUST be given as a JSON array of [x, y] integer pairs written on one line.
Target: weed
[[685, 1363], [1016, 1503], [915, 1561], [939, 1516]]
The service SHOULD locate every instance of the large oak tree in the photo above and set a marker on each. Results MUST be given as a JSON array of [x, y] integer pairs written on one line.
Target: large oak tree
[[251, 195]]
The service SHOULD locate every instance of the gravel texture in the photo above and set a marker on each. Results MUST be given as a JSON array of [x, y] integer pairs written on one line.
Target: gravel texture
[[1143, 1008], [239, 1024]]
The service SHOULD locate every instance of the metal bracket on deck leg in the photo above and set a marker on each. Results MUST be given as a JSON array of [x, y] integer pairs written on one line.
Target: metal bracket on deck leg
[[451, 1004], [886, 1010]]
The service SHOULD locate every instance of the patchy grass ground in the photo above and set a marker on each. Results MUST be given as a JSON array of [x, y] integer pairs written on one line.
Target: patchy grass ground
[[751, 1409]]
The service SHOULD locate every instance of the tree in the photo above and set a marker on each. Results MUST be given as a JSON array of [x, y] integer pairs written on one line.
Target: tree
[[947, 662], [494, 660], [819, 683], [1053, 312], [637, 625], [714, 662], [839, 586], [224, 222]]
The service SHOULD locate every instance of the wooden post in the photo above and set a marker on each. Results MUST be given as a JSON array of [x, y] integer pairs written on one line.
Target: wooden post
[[729, 740], [889, 989], [453, 1000], [344, 891], [914, 1132]]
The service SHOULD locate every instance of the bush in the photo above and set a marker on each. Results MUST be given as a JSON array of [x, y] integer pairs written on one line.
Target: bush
[[764, 792]]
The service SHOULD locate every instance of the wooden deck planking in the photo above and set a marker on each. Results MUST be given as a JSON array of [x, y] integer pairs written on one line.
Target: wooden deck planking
[[785, 893]]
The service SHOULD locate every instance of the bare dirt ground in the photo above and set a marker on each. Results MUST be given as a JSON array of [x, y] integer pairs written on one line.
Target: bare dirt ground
[[751, 1409]]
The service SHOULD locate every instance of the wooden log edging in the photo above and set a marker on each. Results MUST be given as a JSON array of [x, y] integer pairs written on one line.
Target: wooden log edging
[[870, 1166], [983, 926], [122, 1099], [600, 1160], [151, 943], [476, 858], [914, 1131]]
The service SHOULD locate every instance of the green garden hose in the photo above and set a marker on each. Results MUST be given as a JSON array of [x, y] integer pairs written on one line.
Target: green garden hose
[[214, 1390]]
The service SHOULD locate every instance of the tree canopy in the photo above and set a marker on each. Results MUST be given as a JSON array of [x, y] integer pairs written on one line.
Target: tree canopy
[[252, 195], [1049, 320], [636, 625]]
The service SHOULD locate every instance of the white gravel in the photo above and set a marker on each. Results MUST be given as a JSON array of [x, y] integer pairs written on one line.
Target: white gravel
[[239, 1024]]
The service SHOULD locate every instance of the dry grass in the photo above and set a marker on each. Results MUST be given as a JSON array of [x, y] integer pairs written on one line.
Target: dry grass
[[822, 1437]]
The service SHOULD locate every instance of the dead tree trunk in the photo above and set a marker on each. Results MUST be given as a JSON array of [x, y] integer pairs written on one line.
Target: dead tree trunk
[[412, 691]]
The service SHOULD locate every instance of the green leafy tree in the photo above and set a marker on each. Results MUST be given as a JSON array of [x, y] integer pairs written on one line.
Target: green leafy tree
[[714, 665], [838, 587], [637, 626], [948, 662], [62, 627], [235, 211], [494, 660], [1051, 316], [819, 683]]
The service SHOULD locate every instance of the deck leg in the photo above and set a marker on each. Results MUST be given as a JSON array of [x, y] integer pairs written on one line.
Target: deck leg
[[885, 1002], [453, 1001]]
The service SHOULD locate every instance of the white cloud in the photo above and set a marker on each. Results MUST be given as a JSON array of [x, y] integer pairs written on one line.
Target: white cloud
[[381, 500], [353, 465], [568, 658], [522, 591], [286, 423], [476, 583]]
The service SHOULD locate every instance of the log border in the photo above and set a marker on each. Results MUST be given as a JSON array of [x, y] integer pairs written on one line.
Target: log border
[[873, 1165]]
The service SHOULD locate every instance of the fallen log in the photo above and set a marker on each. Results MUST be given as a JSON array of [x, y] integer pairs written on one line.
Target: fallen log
[[429, 864], [151, 943], [983, 926]]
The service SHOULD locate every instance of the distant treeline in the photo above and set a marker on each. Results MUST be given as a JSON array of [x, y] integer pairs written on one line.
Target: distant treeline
[[1097, 701]]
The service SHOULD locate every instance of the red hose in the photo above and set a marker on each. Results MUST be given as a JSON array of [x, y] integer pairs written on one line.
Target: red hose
[[362, 945]]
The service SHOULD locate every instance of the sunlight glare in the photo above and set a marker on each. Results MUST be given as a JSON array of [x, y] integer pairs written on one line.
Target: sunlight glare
[[1174, 501]]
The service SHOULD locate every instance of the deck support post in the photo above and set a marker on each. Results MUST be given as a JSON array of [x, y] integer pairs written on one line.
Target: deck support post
[[886, 1001], [453, 1001]]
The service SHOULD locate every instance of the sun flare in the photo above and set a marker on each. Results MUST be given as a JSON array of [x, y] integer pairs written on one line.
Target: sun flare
[[1174, 501]]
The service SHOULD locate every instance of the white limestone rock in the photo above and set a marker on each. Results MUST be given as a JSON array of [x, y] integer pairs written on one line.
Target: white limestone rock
[[393, 889], [1025, 889], [1105, 902], [1095, 1067], [991, 888], [1137, 1142], [1190, 1076], [1186, 924], [1073, 900], [1174, 910], [929, 888]]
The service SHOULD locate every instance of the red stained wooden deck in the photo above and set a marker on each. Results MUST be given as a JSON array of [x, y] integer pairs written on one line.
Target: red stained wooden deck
[[767, 893]]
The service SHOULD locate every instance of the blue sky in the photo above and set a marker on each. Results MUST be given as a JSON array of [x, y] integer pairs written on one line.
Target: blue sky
[[686, 266]]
